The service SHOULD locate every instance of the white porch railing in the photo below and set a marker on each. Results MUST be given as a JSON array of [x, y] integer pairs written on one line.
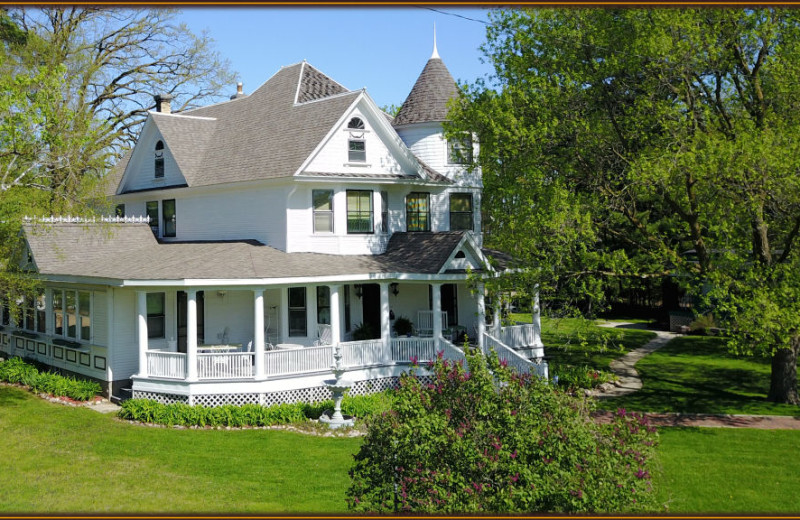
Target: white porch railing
[[166, 364], [421, 349], [227, 365], [507, 354], [364, 353], [526, 336], [298, 361], [452, 352]]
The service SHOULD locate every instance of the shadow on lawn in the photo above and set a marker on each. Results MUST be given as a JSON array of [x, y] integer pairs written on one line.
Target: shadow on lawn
[[10, 395]]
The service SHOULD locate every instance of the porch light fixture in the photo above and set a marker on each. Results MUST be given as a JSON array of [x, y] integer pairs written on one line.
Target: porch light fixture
[[394, 288], [358, 290], [221, 294]]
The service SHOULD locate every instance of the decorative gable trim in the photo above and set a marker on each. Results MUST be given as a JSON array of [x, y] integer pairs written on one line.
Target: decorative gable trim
[[474, 258]]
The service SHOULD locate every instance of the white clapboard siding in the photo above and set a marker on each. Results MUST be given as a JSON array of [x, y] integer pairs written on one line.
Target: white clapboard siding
[[99, 319], [126, 351]]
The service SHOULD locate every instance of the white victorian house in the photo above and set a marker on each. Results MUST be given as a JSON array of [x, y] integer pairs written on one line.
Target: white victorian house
[[281, 224]]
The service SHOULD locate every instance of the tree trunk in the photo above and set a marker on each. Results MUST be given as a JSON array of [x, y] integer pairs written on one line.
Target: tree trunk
[[783, 384]]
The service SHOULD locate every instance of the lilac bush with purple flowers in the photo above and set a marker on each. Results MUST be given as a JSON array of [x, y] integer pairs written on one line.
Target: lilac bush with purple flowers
[[465, 443]]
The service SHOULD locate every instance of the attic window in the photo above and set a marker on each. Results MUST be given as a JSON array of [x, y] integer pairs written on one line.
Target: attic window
[[159, 160], [356, 146], [356, 124], [460, 254]]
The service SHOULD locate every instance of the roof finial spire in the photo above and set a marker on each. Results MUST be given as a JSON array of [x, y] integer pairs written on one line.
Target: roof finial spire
[[435, 52]]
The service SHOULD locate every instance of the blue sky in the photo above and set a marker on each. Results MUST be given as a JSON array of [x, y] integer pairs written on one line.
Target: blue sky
[[381, 48]]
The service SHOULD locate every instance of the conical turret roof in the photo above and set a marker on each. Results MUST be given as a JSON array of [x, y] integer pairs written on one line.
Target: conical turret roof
[[428, 99]]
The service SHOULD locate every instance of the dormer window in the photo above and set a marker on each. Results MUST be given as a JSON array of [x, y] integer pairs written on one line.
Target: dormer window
[[356, 146], [159, 165]]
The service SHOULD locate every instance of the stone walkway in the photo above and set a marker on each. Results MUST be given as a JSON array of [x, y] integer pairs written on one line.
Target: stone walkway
[[629, 382]]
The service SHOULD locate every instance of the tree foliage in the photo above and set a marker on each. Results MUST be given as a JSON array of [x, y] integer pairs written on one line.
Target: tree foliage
[[76, 85], [647, 143], [118, 59], [494, 441]]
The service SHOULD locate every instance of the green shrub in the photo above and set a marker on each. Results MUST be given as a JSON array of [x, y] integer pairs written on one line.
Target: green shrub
[[149, 411], [573, 377], [15, 370], [495, 441]]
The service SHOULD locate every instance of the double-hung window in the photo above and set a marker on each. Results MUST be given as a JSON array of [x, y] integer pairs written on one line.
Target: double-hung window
[[359, 211], [418, 211], [152, 212], [32, 315], [324, 304], [85, 315], [72, 314], [459, 150], [298, 324], [168, 207], [155, 315], [357, 150], [384, 212], [323, 211], [461, 212]]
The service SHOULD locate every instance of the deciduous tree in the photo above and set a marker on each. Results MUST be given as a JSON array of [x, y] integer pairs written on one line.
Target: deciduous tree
[[651, 143]]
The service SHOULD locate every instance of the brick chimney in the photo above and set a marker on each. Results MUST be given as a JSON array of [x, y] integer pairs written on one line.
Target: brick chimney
[[162, 102], [239, 92]]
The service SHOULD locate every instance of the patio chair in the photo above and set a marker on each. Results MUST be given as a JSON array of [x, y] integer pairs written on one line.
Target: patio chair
[[324, 335]]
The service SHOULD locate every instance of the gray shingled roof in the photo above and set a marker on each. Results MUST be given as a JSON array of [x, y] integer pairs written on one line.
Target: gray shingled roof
[[419, 251], [186, 138], [267, 134], [428, 98], [131, 252], [260, 136]]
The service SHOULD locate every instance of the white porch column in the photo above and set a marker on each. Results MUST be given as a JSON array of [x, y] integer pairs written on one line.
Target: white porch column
[[141, 310], [258, 331], [284, 309], [436, 296], [191, 335], [536, 316], [498, 305], [336, 315], [386, 324], [481, 316]]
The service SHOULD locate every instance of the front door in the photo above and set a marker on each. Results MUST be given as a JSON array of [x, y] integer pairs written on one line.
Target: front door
[[371, 303], [450, 303], [182, 319]]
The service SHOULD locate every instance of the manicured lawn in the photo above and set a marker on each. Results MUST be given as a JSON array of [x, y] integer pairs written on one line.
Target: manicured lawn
[[55, 458], [576, 342], [725, 470], [696, 374], [58, 459]]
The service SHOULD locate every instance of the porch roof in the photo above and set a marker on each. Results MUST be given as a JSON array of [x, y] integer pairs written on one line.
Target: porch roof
[[128, 251]]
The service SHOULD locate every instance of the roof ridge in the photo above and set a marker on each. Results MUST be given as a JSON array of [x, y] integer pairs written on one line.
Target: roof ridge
[[313, 84], [181, 114]]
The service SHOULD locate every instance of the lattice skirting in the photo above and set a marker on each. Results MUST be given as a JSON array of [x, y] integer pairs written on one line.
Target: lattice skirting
[[302, 395], [161, 398]]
